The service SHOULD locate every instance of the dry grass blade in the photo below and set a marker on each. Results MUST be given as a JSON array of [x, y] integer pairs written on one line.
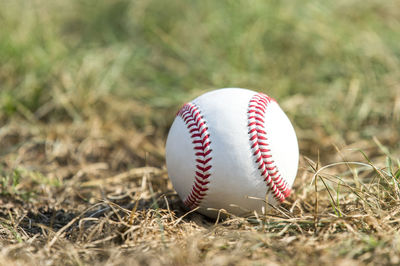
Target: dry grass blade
[[120, 178], [64, 228]]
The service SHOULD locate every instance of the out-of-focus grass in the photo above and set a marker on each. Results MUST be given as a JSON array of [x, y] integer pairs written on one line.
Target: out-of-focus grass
[[336, 63], [88, 90]]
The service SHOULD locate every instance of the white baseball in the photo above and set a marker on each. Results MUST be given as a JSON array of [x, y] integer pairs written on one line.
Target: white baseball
[[229, 146]]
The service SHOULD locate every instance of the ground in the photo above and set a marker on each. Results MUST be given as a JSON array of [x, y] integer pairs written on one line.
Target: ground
[[88, 90]]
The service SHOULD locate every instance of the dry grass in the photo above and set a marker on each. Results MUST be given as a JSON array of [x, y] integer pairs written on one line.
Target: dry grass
[[88, 197]]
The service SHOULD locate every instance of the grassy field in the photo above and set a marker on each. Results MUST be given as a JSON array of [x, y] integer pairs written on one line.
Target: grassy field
[[88, 90]]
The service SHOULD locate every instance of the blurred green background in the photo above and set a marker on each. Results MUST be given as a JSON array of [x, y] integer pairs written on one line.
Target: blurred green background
[[333, 65]]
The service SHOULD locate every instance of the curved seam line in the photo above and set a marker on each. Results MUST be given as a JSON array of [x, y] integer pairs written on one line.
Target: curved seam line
[[198, 130], [258, 136]]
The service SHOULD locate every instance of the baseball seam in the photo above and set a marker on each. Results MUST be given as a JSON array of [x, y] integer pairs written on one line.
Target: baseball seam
[[260, 147], [200, 136]]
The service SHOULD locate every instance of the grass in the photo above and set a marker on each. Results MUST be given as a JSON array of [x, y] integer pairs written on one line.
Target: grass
[[88, 90]]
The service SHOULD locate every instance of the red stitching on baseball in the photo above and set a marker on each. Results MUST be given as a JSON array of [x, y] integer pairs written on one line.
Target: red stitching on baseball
[[198, 130], [259, 145]]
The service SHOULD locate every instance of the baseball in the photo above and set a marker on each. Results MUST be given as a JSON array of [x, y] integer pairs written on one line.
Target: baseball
[[232, 149]]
